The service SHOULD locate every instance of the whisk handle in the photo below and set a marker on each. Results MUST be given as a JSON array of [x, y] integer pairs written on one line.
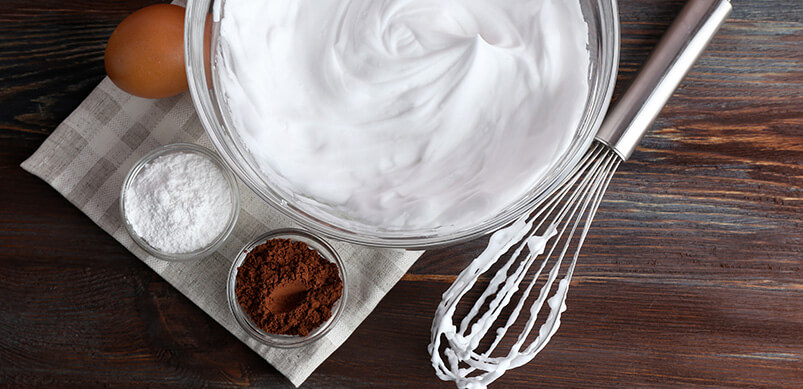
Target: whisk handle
[[670, 61]]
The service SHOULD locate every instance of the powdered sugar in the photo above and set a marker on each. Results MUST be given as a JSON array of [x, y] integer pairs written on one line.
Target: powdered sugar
[[179, 202]]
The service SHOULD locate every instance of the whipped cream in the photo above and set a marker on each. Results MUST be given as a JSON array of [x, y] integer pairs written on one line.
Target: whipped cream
[[404, 114]]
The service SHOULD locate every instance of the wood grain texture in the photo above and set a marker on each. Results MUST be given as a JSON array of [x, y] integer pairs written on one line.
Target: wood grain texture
[[690, 276]]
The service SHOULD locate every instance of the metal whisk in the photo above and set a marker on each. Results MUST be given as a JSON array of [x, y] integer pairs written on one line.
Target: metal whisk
[[544, 237]]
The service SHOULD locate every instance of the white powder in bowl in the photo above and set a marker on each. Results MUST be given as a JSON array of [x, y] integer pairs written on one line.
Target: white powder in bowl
[[179, 202]]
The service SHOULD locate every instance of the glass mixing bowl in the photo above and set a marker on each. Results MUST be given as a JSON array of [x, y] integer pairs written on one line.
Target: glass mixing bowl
[[200, 43]]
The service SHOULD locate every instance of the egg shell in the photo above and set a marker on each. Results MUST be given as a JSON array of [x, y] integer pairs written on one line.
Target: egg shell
[[145, 53]]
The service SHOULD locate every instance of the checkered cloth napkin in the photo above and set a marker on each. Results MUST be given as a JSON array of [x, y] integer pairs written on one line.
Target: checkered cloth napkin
[[89, 154]]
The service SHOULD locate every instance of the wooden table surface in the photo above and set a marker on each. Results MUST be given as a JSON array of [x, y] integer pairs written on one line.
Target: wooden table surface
[[691, 275]]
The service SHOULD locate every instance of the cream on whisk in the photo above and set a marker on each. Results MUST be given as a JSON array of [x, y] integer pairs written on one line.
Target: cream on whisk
[[404, 114]]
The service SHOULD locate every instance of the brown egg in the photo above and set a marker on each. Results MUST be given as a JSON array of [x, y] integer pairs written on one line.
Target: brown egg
[[145, 54]]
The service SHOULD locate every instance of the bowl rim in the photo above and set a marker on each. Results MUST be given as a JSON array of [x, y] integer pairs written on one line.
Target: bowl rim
[[186, 148], [318, 244], [196, 21]]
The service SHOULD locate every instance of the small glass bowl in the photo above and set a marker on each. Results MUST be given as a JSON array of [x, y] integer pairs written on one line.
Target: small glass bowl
[[230, 179], [278, 340]]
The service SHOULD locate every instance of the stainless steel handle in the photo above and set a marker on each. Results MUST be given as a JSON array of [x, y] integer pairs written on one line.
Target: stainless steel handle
[[687, 37]]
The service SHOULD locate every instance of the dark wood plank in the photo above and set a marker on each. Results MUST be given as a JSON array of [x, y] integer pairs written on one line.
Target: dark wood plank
[[617, 331], [691, 274]]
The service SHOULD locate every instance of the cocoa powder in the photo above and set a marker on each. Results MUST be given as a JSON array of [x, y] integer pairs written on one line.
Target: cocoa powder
[[288, 288]]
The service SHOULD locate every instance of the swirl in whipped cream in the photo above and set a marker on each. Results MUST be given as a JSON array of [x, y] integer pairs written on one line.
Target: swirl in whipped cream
[[404, 114]]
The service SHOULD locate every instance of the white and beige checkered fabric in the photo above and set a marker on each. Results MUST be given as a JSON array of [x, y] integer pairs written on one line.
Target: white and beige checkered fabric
[[89, 154]]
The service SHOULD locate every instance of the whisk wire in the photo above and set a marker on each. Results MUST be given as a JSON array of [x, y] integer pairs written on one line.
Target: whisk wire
[[592, 177], [534, 251], [591, 197], [550, 203], [553, 226], [548, 206]]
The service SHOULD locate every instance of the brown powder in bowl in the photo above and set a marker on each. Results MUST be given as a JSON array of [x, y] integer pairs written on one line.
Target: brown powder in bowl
[[287, 288]]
